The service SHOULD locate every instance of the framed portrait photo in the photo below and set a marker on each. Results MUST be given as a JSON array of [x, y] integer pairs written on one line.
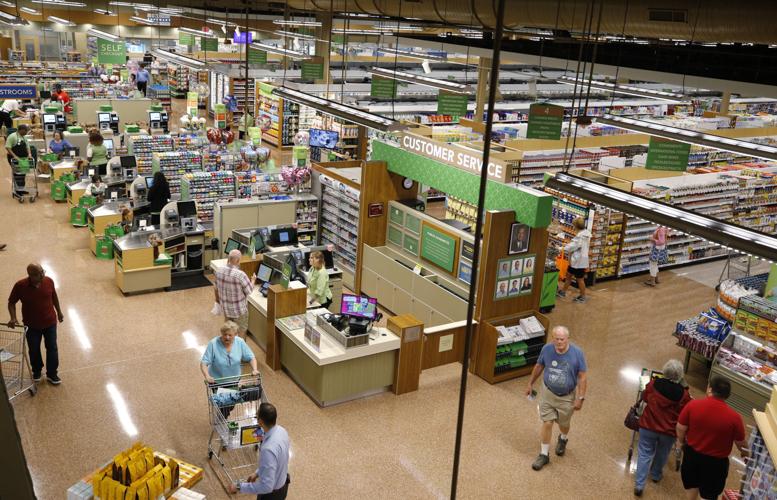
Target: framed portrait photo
[[519, 238]]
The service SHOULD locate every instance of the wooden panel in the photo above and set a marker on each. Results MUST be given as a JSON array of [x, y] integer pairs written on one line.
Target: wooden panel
[[431, 354], [408, 362], [281, 303], [486, 352], [257, 326]]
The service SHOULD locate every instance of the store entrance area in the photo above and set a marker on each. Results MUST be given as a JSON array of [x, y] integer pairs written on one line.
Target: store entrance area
[[130, 372]]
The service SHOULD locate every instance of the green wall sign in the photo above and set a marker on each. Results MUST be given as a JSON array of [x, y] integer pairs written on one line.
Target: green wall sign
[[312, 70], [383, 87], [665, 154], [111, 52], [452, 104], [395, 236], [531, 207], [396, 216], [256, 56], [185, 39], [545, 122], [410, 244], [413, 224], [438, 248], [209, 44]]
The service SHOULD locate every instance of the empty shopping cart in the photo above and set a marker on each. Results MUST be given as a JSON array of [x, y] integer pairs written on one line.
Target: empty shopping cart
[[14, 365]]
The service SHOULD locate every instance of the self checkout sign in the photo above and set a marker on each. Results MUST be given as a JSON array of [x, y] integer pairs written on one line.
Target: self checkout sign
[[18, 92]]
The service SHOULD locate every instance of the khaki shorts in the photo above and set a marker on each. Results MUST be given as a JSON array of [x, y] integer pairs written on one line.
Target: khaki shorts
[[558, 408], [242, 321]]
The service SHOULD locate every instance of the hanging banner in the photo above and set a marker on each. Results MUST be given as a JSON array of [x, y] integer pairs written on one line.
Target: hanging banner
[[256, 56], [449, 103], [545, 122], [109, 52], [241, 38], [312, 70], [209, 44], [665, 154], [383, 87], [185, 39], [192, 99]]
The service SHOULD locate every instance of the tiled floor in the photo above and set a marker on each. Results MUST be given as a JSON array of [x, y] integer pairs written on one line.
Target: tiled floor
[[130, 372]]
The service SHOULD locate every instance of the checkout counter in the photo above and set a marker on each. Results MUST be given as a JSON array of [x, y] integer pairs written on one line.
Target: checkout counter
[[116, 185], [62, 167], [101, 216]]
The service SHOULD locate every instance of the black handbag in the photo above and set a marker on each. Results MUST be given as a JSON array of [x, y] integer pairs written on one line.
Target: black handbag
[[632, 417]]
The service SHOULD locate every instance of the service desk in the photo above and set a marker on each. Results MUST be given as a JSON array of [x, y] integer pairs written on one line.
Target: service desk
[[333, 374], [60, 168], [257, 314]]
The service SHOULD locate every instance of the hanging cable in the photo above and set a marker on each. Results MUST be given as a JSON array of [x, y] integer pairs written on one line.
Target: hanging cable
[[620, 51], [690, 44]]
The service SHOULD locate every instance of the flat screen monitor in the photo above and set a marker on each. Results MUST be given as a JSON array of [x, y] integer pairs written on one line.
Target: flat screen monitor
[[49, 118], [149, 182], [45, 94], [154, 117], [231, 245], [103, 117], [187, 209], [128, 161], [109, 145], [258, 242], [359, 306], [284, 236], [323, 138], [264, 273]]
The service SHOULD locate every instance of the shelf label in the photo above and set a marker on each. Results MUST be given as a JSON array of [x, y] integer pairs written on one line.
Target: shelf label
[[449, 103], [545, 122], [665, 154], [110, 52], [383, 87]]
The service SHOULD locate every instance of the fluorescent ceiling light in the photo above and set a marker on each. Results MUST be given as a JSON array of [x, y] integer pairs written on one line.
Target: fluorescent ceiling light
[[11, 20], [347, 113], [28, 10], [395, 27], [130, 4], [191, 31], [104, 12], [691, 137], [624, 89], [723, 233], [414, 55], [294, 54], [61, 3], [348, 31], [291, 22], [143, 20], [103, 34], [404, 76], [178, 58], [220, 22], [292, 34], [59, 20], [6, 3]]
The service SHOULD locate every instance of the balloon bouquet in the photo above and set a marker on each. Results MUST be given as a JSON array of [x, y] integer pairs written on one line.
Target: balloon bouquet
[[192, 123]]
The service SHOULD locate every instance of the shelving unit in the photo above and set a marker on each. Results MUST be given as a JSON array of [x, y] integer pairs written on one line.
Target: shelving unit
[[178, 80], [144, 146], [197, 78], [756, 206], [307, 222], [282, 115], [208, 188], [461, 210], [532, 168], [512, 357], [253, 184], [220, 159], [174, 164], [607, 237], [239, 91], [340, 220], [160, 93]]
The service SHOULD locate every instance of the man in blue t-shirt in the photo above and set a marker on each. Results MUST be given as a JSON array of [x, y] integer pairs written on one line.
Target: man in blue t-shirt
[[563, 369], [142, 79]]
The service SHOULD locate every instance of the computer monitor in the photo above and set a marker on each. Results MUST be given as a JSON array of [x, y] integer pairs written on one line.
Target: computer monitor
[[109, 146], [49, 118], [359, 306], [231, 245], [45, 94], [264, 273], [259, 244], [149, 182], [128, 161], [154, 117], [284, 236], [187, 209], [103, 117]]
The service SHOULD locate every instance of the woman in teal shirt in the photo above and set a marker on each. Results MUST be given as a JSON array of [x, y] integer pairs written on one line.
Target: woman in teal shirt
[[224, 354]]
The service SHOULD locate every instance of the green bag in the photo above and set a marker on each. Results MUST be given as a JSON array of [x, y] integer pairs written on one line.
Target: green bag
[[49, 157], [104, 248], [68, 177], [58, 191], [78, 216], [114, 231], [87, 201]]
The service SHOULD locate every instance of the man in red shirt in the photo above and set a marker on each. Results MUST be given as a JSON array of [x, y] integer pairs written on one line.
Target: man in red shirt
[[62, 96], [708, 427], [40, 312]]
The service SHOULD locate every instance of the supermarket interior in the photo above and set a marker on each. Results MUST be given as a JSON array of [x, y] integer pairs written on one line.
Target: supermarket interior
[[430, 230]]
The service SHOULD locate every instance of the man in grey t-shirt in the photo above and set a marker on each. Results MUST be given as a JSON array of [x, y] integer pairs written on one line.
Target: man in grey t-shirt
[[564, 384]]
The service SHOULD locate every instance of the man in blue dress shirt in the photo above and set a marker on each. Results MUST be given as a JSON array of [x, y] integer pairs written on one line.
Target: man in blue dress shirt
[[271, 479]]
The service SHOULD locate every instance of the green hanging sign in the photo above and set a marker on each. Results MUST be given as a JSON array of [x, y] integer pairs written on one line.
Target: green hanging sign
[[186, 39], [256, 56], [109, 52], [452, 104], [265, 89], [383, 87], [209, 44], [545, 121], [312, 70], [665, 154]]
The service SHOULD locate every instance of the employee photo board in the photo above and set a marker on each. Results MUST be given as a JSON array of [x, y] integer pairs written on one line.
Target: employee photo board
[[515, 276]]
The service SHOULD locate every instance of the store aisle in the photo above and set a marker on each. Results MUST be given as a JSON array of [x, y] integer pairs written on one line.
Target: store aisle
[[129, 367]]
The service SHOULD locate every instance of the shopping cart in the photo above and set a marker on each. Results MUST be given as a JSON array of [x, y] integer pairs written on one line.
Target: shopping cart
[[25, 179], [645, 377], [233, 405], [14, 365]]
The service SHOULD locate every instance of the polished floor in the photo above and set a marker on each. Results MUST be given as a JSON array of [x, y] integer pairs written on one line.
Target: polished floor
[[129, 367]]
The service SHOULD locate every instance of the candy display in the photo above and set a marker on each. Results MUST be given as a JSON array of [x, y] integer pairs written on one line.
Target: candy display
[[208, 188], [144, 146], [175, 164]]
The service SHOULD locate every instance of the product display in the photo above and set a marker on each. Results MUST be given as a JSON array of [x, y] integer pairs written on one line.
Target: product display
[[175, 164], [340, 220], [207, 189], [144, 146]]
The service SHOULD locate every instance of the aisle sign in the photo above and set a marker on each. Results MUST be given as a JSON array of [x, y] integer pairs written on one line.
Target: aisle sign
[[109, 52], [545, 122], [438, 247], [192, 99], [449, 103], [383, 87], [312, 70], [209, 43], [185, 39], [256, 56], [18, 92], [665, 154]]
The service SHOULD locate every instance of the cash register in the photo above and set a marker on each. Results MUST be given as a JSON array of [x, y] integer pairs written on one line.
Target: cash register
[[358, 312], [108, 120], [158, 120]]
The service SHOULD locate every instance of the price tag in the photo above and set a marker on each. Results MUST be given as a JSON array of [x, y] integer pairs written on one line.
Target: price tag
[[91, 172], [142, 223], [417, 269], [114, 195], [72, 153]]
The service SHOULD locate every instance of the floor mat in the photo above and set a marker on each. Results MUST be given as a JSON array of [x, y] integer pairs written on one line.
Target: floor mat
[[186, 282]]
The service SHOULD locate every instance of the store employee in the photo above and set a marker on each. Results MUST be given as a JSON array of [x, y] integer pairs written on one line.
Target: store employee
[[8, 110], [318, 281]]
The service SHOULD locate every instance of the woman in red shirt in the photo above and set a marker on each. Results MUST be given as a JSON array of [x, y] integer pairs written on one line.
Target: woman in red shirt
[[63, 97], [664, 399]]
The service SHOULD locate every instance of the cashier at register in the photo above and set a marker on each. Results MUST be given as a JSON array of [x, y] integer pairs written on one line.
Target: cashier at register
[[318, 281], [97, 187], [225, 353]]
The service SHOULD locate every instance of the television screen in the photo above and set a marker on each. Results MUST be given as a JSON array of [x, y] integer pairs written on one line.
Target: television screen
[[154, 117], [103, 117], [359, 306], [49, 118], [264, 273], [149, 182], [323, 138], [231, 245]]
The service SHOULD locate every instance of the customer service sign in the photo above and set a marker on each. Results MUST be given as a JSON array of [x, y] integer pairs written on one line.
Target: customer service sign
[[466, 159]]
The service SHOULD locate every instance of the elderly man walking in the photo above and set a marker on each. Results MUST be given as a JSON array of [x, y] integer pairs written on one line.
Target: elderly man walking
[[232, 290], [563, 369], [40, 312]]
